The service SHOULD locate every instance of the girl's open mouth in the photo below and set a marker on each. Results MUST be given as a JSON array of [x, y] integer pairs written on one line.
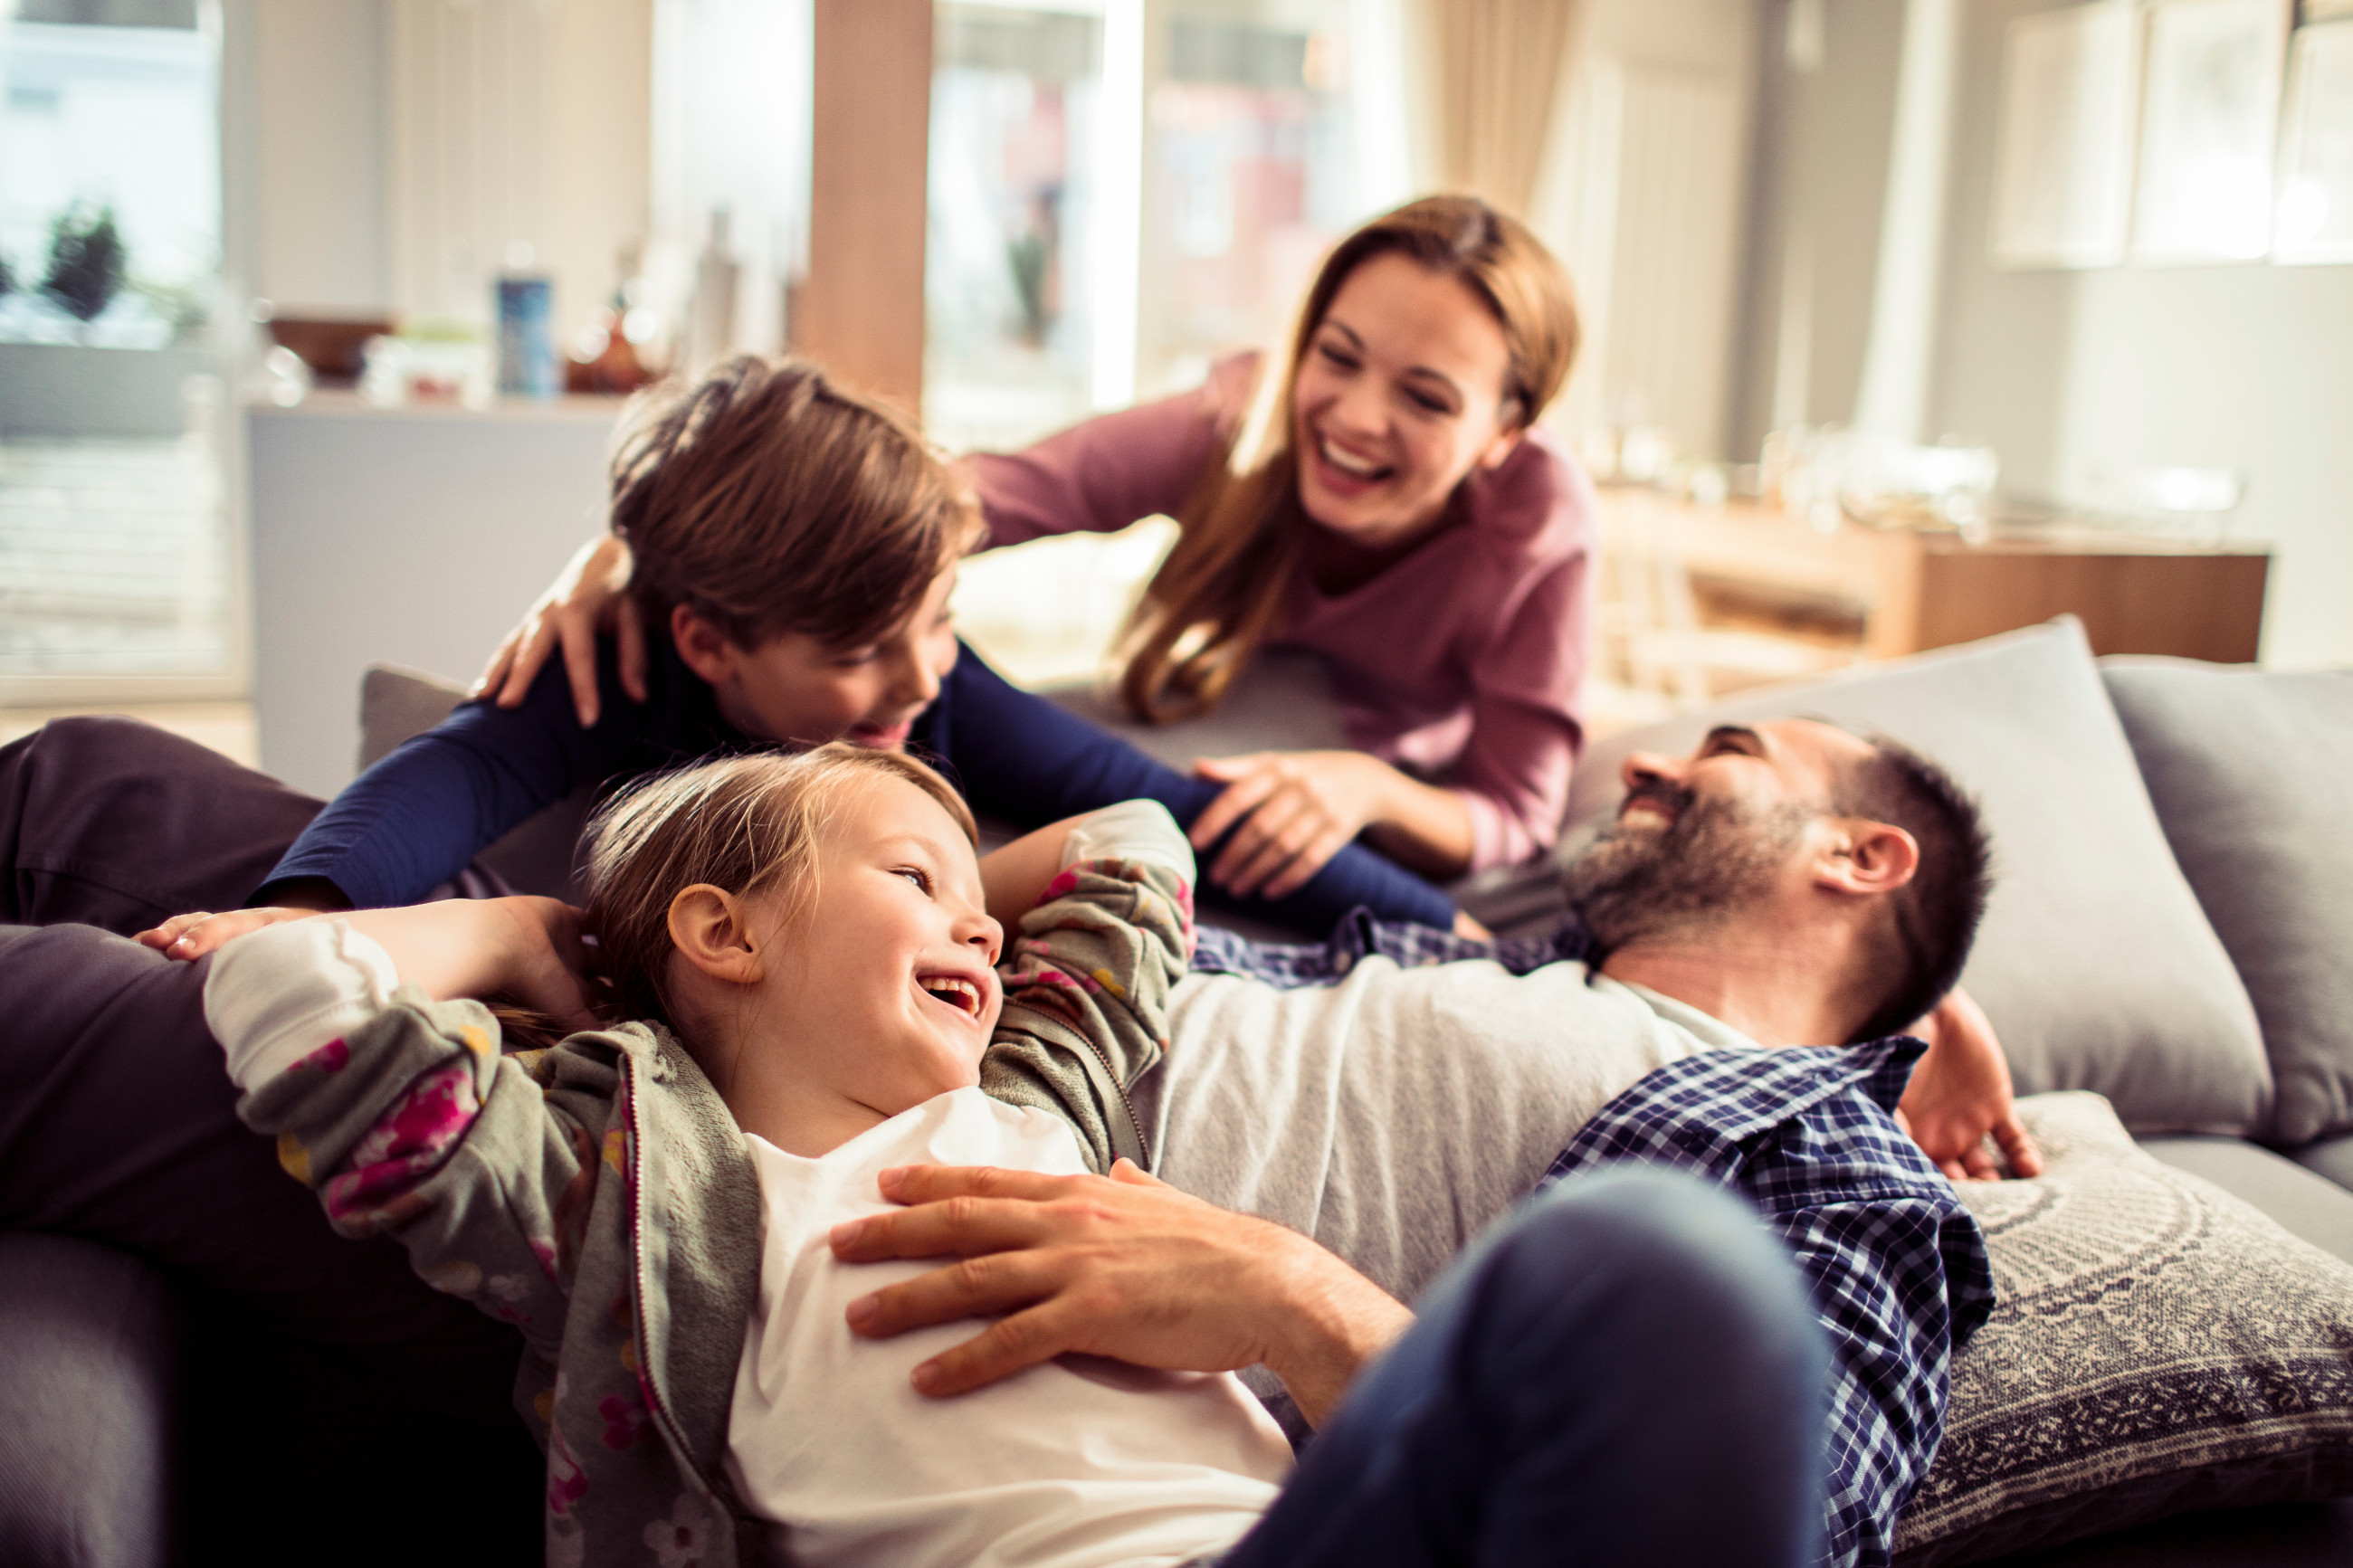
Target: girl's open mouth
[[954, 990]]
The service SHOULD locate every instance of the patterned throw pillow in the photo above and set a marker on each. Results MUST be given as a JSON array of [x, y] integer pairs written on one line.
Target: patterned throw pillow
[[2157, 1346]]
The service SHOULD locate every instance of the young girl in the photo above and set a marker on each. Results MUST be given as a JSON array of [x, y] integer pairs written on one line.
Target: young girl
[[795, 545], [655, 1206], [1399, 515]]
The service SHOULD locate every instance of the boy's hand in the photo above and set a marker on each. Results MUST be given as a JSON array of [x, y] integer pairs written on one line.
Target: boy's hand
[[591, 593]]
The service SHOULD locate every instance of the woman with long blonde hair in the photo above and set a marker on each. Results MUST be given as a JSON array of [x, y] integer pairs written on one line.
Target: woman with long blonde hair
[[1399, 513]]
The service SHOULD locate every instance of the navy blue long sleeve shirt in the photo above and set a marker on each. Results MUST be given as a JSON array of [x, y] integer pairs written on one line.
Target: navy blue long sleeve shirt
[[413, 820]]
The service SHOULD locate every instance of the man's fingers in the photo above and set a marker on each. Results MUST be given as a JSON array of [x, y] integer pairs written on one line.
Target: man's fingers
[[2018, 1147], [1006, 1346], [929, 1184], [1978, 1163], [992, 1283], [629, 629], [1237, 801], [950, 1228]]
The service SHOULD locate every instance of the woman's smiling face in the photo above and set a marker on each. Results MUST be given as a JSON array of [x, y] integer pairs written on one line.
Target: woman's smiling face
[[1398, 397]]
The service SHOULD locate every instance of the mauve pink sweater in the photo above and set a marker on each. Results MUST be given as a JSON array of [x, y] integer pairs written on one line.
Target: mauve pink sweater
[[1460, 663]]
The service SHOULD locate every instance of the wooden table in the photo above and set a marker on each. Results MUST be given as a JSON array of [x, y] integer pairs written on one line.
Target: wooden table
[[1914, 591]]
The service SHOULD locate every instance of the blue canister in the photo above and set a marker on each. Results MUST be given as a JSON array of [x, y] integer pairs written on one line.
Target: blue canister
[[527, 338]]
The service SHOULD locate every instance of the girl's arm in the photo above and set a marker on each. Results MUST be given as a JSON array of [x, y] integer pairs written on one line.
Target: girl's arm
[[1025, 761], [1088, 981], [400, 1111]]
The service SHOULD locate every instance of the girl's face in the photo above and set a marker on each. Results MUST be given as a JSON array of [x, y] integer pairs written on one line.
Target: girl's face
[[884, 992], [1399, 396], [794, 689]]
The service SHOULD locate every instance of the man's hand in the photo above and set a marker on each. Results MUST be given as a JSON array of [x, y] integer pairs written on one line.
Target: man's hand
[[1960, 1092], [1124, 1266], [591, 593]]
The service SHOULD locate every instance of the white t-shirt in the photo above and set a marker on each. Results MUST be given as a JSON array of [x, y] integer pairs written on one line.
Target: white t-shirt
[[1078, 1463], [1396, 1114]]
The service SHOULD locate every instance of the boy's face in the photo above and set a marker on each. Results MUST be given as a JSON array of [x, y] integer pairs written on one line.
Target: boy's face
[[797, 689], [884, 991]]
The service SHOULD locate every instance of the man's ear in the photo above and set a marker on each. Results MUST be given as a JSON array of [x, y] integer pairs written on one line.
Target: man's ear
[[712, 931], [705, 648], [1865, 857]]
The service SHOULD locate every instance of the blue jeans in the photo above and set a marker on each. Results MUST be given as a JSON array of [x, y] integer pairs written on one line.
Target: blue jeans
[[1624, 1370]]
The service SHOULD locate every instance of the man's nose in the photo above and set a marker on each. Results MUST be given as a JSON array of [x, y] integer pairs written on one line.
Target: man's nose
[[1641, 765]]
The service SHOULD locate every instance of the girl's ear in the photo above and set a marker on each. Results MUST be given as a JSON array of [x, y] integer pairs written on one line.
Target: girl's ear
[[703, 647], [712, 931], [1507, 443]]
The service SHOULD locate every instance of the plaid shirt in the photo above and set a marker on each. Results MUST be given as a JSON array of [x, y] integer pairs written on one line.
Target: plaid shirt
[[1896, 1265]]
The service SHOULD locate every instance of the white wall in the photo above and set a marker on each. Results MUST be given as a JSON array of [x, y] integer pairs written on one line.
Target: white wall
[[2244, 365], [316, 145]]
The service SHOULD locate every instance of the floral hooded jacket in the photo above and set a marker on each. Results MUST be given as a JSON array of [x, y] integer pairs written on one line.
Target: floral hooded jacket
[[599, 1196]]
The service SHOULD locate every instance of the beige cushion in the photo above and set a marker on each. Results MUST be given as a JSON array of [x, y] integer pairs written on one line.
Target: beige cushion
[[2095, 963]]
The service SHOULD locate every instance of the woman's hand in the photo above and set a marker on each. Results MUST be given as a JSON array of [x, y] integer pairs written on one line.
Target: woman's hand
[[1960, 1091], [1298, 809], [589, 594]]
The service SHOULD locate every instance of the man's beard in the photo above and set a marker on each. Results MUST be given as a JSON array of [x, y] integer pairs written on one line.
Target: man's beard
[[1641, 881]]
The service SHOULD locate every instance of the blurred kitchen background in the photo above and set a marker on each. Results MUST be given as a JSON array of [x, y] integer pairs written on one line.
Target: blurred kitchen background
[[1906, 319]]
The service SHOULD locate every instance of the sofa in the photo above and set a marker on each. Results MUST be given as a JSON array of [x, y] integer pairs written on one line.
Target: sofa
[[2169, 1379]]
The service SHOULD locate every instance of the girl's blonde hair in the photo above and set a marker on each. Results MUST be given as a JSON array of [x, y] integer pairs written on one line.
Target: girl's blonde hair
[[747, 825], [1217, 593]]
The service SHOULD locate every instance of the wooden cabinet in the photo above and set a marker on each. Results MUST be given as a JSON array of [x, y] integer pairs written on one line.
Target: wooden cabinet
[[1913, 591]]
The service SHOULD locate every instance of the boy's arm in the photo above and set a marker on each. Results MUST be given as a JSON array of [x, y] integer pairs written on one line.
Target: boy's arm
[[1088, 982], [401, 1113], [415, 818]]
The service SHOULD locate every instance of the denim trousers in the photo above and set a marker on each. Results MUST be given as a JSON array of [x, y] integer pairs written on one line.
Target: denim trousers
[[1624, 1370]]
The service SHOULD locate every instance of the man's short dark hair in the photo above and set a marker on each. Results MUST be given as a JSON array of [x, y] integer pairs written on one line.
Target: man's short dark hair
[[1934, 917]]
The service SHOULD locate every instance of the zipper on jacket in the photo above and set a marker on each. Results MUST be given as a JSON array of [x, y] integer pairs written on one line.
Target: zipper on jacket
[[638, 1290], [1134, 1122]]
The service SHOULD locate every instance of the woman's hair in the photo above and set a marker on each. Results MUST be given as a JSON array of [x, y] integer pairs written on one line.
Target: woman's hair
[[1218, 591], [767, 499], [747, 825]]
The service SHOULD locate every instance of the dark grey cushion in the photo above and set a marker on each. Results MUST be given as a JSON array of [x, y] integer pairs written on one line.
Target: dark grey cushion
[[87, 1384], [2248, 771], [2157, 1346], [2094, 963]]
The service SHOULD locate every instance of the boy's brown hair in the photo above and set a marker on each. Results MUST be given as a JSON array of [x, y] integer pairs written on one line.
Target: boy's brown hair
[[767, 499]]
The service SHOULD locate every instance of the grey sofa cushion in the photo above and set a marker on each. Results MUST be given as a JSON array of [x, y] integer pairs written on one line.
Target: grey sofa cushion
[[2094, 963], [2304, 1205], [2332, 1157], [2157, 1346], [2248, 771]]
